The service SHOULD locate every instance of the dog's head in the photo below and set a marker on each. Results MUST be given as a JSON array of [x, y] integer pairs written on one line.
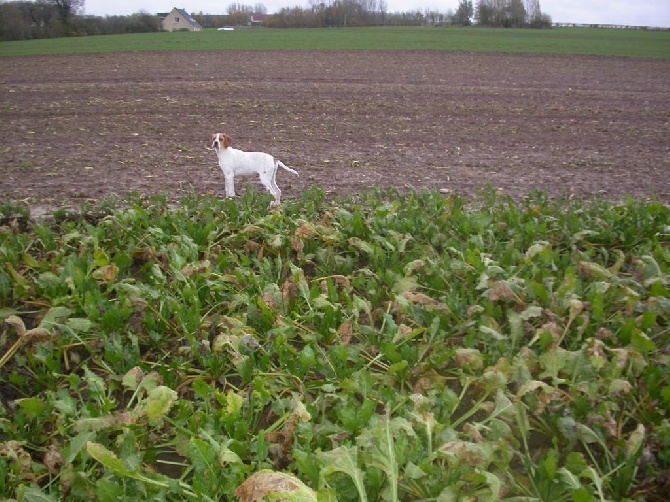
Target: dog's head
[[220, 140]]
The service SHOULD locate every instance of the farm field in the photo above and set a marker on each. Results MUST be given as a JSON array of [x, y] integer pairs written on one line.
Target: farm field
[[465, 295], [87, 126], [567, 41]]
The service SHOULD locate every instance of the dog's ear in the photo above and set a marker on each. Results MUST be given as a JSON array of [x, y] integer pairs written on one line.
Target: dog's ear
[[211, 139], [227, 141]]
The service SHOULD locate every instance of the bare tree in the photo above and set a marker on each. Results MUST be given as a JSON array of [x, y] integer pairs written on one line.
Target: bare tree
[[534, 15], [383, 9]]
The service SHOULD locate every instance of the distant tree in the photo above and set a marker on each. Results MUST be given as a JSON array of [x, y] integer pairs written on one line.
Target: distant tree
[[67, 9], [511, 13], [464, 13], [24, 19], [534, 15], [12, 23], [383, 10], [516, 14], [484, 13], [239, 13]]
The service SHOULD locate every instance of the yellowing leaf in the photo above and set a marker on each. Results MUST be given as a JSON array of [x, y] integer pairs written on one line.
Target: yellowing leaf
[[594, 270], [531, 312], [620, 387], [132, 379], [536, 249], [635, 441], [234, 403], [100, 258], [159, 402]]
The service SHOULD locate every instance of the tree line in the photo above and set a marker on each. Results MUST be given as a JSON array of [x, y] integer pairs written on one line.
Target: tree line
[[22, 19], [511, 14], [25, 20], [334, 13]]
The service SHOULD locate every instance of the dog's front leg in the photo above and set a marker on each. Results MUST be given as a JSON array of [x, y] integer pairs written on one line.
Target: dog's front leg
[[230, 185]]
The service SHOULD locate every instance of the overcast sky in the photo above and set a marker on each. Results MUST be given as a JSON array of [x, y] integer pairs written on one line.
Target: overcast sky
[[637, 12]]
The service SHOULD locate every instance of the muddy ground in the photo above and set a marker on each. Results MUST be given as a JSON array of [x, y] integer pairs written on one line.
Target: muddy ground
[[82, 127]]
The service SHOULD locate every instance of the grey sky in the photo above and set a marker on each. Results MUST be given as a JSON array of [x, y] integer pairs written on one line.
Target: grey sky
[[637, 13]]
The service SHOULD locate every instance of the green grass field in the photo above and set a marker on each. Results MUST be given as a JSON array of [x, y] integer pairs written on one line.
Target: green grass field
[[601, 42]]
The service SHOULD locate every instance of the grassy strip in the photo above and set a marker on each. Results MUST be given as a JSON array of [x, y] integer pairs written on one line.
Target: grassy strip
[[601, 42], [402, 345]]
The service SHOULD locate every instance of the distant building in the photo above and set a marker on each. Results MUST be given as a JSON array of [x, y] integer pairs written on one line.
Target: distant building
[[257, 19], [179, 19]]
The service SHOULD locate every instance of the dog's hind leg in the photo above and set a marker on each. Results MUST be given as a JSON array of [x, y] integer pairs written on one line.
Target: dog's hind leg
[[268, 181]]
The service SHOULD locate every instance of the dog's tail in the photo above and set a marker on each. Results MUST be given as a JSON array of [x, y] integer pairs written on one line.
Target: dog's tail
[[281, 164]]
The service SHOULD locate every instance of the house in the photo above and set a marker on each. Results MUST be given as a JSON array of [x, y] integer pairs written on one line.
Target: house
[[179, 19], [257, 19]]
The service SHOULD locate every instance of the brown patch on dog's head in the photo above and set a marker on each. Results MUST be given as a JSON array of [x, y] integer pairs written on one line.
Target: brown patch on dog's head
[[221, 140]]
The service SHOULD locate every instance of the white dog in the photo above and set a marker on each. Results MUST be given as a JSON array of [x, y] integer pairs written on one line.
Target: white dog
[[236, 162]]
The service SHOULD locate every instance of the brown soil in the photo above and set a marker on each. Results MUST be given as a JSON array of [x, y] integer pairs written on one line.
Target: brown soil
[[85, 127]]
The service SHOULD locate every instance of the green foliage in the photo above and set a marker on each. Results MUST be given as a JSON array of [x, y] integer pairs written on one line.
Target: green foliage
[[389, 347], [570, 41]]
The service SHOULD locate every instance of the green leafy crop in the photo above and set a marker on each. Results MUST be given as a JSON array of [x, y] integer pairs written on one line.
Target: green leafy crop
[[396, 346]]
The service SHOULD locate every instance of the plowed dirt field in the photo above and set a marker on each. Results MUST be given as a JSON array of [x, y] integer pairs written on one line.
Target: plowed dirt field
[[86, 126]]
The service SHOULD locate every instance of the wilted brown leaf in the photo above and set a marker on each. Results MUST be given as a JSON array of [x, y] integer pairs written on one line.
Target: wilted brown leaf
[[305, 231], [251, 247], [53, 460], [502, 291], [463, 452], [346, 332], [326, 220], [14, 450], [425, 300], [298, 245], [270, 300], [404, 332], [473, 432], [469, 358], [342, 280], [289, 290], [266, 482], [196, 268], [428, 381]]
